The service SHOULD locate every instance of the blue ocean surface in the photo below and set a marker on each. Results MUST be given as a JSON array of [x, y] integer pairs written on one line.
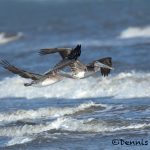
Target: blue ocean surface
[[95, 113]]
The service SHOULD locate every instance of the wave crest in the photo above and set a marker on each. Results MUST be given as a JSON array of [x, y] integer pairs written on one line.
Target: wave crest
[[68, 124], [8, 37], [123, 85], [135, 32], [47, 112]]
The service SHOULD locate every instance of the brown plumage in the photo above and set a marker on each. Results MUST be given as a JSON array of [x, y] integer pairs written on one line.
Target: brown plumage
[[53, 74], [104, 71], [107, 61], [69, 53], [18, 71], [77, 66]]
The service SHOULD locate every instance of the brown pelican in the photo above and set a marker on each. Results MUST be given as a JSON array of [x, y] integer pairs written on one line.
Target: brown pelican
[[69, 56], [79, 69], [66, 53], [48, 78]]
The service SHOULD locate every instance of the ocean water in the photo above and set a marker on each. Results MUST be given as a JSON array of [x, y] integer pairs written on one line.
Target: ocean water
[[96, 113]]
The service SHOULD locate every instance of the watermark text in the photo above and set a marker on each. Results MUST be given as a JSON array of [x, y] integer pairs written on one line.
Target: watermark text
[[130, 142]]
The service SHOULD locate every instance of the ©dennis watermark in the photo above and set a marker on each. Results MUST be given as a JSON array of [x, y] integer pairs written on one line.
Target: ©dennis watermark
[[129, 142]]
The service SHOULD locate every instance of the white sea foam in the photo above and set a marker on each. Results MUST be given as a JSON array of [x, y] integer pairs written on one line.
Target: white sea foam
[[68, 124], [135, 32], [5, 38], [47, 112], [18, 140], [123, 85], [27, 133]]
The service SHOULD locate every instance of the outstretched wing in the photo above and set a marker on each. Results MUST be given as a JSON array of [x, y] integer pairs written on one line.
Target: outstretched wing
[[64, 52], [5, 64], [70, 53], [62, 64], [106, 61]]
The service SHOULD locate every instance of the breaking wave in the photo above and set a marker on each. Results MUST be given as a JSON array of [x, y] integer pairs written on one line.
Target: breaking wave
[[27, 133], [69, 124], [48, 112], [135, 32], [123, 85], [8, 37]]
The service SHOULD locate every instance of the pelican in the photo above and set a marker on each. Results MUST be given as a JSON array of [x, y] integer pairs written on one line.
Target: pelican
[[46, 79], [78, 69], [69, 56]]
